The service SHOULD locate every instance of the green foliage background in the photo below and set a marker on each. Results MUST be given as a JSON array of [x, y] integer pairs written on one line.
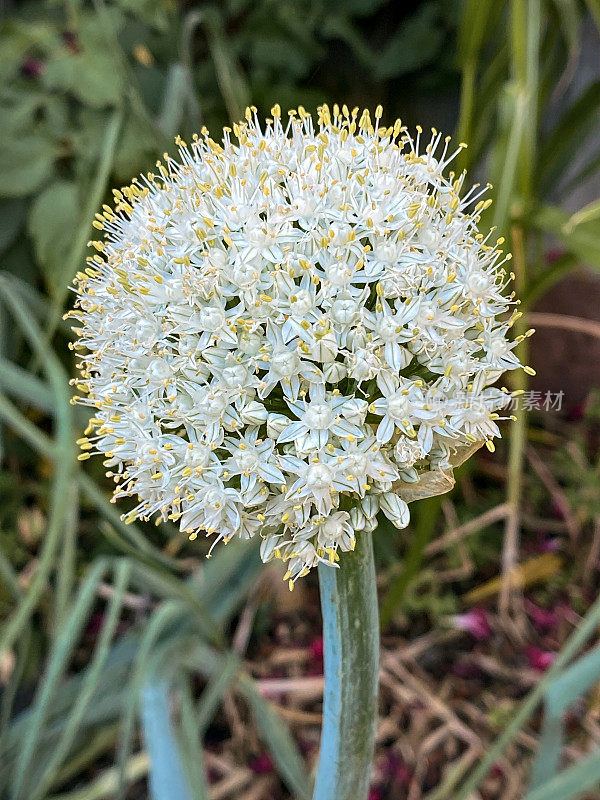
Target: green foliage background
[[90, 94]]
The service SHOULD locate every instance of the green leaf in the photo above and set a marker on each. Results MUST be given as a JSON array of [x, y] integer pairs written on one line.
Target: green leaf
[[475, 27], [215, 689], [19, 36], [25, 386], [570, 783], [416, 42], [569, 16], [167, 776], [589, 213], [428, 513], [565, 139], [89, 685], [26, 163], [137, 148], [57, 666], [52, 223], [154, 12], [12, 217], [582, 240], [560, 694], [594, 9], [190, 742], [90, 76]]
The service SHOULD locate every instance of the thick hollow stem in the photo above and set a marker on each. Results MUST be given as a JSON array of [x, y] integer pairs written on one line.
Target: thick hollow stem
[[351, 652]]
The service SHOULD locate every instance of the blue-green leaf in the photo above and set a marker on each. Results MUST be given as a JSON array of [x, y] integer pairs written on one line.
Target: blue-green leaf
[[167, 777]]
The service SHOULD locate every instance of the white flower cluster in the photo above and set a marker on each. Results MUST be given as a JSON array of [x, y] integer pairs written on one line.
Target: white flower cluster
[[281, 330]]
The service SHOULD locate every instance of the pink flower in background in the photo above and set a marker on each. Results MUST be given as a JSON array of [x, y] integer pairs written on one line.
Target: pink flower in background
[[543, 619], [475, 622], [554, 254], [32, 68], [466, 669], [397, 769], [538, 659], [316, 649], [262, 764]]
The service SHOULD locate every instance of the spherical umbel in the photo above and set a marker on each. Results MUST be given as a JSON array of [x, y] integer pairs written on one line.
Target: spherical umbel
[[280, 331]]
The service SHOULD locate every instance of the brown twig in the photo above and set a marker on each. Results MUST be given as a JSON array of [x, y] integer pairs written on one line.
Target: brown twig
[[593, 558], [559, 497], [565, 322], [422, 692], [306, 687], [488, 518]]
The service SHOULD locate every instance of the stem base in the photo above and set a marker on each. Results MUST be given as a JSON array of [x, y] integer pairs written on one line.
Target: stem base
[[351, 654]]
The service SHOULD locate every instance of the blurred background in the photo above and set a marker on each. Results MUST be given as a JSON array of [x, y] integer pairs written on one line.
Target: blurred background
[[131, 667]]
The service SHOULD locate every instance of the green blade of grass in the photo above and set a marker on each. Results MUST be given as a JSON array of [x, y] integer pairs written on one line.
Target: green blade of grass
[[105, 709], [19, 383], [29, 432], [9, 693], [428, 513], [191, 744], [65, 578], [560, 694], [106, 784], [278, 739], [166, 615], [475, 27], [215, 689], [102, 740], [229, 75], [131, 532], [169, 587], [9, 576], [570, 783], [64, 464], [94, 195], [88, 687], [587, 628], [576, 123], [57, 666]]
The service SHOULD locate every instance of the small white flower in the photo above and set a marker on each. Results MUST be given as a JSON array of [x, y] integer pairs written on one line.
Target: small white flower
[[281, 327], [395, 509], [319, 419]]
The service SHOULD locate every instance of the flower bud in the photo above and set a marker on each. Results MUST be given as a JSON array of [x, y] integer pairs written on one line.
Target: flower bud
[[355, 411], [275, 424], [334, 372], [370, 505], [395, 509], [254, 413], [357, 518]]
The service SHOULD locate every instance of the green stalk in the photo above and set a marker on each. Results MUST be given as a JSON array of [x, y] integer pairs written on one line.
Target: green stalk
[[351, 652], [429, 510]]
